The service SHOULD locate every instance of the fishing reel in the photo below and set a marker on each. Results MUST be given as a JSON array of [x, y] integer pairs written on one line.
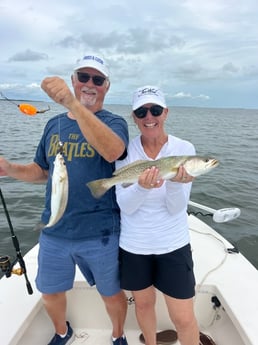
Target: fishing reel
[[7, 267]]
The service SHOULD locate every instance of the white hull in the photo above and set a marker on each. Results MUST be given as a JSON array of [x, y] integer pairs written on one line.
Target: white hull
[[23, 320]]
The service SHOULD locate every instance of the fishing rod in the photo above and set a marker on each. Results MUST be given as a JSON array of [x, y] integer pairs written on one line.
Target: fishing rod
[[25, 108], [5, 263]]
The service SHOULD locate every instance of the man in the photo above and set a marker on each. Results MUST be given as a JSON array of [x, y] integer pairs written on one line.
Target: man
[[87, 233]]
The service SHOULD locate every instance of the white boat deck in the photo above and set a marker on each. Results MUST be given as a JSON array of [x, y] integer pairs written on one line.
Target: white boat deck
[[234, 282]]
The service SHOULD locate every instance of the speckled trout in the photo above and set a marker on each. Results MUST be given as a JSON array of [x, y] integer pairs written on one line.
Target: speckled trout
[[59, 193], [168, 167]]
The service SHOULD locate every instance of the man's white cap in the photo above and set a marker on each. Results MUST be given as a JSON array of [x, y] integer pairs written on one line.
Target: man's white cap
[[148, 94], [93, 61]]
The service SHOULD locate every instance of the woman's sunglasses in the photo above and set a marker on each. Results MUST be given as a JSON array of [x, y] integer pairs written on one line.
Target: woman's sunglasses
[[83, 77], [156, 110]]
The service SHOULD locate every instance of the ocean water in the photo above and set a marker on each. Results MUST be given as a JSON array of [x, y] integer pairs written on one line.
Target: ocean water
[[230, 135]]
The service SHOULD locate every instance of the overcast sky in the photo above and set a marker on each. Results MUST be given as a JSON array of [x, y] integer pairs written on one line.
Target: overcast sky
[[200, 52]]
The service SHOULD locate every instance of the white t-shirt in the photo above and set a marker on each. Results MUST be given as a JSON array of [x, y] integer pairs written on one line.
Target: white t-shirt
[[154, 221]]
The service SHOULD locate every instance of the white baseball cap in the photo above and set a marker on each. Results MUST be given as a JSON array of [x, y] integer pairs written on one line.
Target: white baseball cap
[[93, 61], [148, 94]]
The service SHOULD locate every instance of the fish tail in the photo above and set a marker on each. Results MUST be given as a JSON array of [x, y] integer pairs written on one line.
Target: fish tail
[[99, 187]]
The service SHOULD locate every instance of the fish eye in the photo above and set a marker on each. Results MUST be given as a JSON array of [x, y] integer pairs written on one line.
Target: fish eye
[[206, 160]]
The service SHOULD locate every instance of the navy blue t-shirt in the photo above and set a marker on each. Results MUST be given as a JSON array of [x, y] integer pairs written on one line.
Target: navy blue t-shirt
[[84, 217]]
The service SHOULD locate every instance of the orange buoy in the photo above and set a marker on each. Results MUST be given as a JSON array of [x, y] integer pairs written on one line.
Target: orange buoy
[[27, 109]]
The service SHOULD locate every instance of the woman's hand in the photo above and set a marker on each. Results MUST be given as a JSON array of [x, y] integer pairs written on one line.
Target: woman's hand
[[182, 176], [150, 178]]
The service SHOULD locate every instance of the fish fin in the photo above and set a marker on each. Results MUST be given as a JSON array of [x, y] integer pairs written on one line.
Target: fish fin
[[170, 174], [125, 185], [118, 171], [99, 187]]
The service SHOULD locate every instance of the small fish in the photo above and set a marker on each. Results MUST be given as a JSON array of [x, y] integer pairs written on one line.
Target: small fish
[[168, 167], [59, 194]]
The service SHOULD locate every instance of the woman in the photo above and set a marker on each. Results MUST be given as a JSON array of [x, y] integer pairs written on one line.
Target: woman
[[155, 250]]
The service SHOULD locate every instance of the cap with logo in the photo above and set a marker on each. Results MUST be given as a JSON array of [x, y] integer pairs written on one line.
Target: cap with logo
[[148, 94], [93, 61]]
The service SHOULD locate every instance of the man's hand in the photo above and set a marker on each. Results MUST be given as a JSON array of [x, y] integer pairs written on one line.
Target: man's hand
[[4, 166], [57, 89]]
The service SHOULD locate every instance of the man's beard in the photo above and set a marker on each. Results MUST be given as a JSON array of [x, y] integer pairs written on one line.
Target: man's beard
[[88, 99]]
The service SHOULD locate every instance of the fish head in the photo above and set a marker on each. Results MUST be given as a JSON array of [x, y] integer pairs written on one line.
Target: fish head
[[59, 161], [197, 165]]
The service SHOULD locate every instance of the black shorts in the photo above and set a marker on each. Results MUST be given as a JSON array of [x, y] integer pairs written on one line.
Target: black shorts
[[171, 273]]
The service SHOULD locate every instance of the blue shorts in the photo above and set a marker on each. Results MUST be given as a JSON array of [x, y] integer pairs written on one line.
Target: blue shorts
[[171, 273], [96, 258]]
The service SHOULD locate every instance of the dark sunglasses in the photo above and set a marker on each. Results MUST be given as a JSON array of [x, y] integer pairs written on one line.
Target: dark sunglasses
[[83, 77], [156, 110]]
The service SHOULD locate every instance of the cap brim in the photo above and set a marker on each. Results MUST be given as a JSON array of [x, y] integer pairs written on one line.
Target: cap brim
[[146, 100], [92, 64]]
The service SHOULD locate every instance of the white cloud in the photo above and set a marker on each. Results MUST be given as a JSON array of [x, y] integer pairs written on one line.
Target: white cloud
[[183, 95], [33, 86]]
